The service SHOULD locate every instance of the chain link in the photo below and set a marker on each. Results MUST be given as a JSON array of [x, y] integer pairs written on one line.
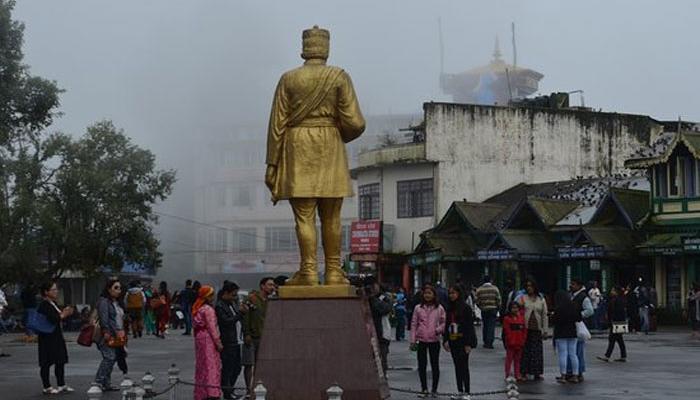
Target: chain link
[[475, 394]]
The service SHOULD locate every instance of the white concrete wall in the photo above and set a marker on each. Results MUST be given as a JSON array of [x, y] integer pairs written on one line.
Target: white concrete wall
[[483, 150], [407, 230]]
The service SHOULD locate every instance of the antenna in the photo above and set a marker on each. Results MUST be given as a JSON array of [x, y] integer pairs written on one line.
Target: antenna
[[510, 91], [515, 51], [442, 48]]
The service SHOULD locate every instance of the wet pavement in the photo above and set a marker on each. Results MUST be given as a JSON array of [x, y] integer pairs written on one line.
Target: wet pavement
[[665, 365]]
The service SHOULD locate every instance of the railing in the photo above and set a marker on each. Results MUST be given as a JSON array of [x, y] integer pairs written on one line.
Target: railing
[[131, 390]]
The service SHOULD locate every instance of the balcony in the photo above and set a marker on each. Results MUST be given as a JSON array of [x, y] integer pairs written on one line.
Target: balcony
[[398, 154], [679, 210]]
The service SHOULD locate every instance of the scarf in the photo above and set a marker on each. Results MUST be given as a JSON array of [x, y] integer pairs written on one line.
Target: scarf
[[204, 292]]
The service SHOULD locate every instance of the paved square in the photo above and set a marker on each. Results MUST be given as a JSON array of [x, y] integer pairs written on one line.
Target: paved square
[[664, 365]]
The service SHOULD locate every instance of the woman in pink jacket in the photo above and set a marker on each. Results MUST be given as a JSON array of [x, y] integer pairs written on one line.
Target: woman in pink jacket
[[428, 325]]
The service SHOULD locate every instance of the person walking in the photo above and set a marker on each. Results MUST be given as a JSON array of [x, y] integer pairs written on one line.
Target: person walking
[[149, 318], [515, 336], [582, 303], [253, 324], [163, 310], [459, 338], [428, 326], [52, 346], [207, 346], [616, 315], [380, 307], [596, 299], [632, 310], [564, 319], [135, 302], [694, 310], [644, 304], [229, 316], [536, 322], [113, 336], [488, 299], [186, 299], [400, 314]]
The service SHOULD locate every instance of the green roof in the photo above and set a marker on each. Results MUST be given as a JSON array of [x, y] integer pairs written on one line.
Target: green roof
[[664, 240], [634, 202], [529, 241], [450, 245], [612, 238], [661, 150], [479, 215], [551, 211]]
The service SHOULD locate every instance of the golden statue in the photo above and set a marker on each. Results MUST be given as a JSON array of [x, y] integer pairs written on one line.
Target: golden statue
[[314, 112]]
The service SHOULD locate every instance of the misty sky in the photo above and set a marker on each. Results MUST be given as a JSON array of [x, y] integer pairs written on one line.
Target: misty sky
[[164, 68]]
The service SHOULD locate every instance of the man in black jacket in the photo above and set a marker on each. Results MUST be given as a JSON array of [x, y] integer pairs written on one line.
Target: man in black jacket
[[380, 306], [229, 316]]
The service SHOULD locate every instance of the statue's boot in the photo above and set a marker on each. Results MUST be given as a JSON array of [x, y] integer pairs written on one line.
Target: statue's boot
[[306, 276], [335, 275]]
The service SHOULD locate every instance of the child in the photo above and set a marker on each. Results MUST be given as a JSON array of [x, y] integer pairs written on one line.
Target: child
[[515, 335]]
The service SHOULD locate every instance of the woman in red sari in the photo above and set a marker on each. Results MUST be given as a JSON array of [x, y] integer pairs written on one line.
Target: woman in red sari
[[207, 346], [163, 311]]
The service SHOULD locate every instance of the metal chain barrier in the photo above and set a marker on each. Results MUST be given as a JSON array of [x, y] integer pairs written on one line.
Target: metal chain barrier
[[146, 391], [475, 394]]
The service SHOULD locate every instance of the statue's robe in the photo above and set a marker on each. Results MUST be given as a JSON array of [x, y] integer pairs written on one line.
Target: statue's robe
[[314, 112]]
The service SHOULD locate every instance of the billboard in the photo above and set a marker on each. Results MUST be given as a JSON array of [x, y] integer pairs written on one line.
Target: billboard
[[366, 237]]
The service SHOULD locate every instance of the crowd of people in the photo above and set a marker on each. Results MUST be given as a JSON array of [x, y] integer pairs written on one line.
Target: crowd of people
[[228, 330]]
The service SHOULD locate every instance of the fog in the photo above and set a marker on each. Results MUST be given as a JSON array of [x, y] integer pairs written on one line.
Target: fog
[[171, 71]]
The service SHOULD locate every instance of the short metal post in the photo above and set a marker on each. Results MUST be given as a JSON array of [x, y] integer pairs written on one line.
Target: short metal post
[[512, 389], [260, 391], [125, 386], [138, 392], [95, 392], [147, 382], [335, 392], [173, 379]]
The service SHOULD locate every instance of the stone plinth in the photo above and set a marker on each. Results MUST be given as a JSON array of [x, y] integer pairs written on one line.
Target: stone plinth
[[308, 345]]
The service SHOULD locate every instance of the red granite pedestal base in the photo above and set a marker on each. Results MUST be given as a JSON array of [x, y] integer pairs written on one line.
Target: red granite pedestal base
[[310, 344]]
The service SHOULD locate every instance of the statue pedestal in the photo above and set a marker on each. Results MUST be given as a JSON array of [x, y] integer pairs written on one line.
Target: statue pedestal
[[310, 344]]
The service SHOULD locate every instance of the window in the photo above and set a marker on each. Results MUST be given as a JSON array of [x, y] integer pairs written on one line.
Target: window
[[221, 240], [661, 182], [280, 239], [221, 196], [244, 240], [242, 196], [345, 238], [369, 201], [415, 198], [689, 179]]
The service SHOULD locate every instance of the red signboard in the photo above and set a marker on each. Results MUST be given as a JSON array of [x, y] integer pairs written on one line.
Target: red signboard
[[366, 237]]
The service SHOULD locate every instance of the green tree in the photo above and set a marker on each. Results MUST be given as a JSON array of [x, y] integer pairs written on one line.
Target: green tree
[[97, 209], [28, 104]]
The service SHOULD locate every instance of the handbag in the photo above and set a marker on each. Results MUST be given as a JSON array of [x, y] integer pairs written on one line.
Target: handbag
[[85, 337], [582, 332], [116, 341], [38, 322], [620, 327]]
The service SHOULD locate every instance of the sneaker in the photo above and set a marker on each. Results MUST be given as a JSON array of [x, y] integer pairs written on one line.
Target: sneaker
[[575, 379], [603, 358], [561, 379], [466, 397], [621, 360], [423, 395], [65, 389], [580, 378], [434, 395], [50, 390]]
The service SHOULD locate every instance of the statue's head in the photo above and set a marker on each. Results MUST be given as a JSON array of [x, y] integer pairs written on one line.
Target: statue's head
[[315, 43]]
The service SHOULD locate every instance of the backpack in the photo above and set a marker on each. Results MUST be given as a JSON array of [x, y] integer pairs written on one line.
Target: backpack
[[134, 300]]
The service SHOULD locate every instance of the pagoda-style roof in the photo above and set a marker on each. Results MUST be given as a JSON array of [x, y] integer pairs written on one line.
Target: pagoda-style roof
[[660, 151], [632, 205]]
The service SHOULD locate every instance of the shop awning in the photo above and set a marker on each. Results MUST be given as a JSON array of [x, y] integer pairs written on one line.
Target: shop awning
[[663, 244]]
